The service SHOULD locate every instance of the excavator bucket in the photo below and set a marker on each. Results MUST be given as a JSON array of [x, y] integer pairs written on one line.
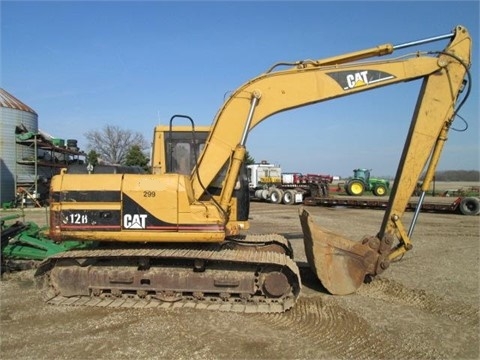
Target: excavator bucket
[[340, 264]]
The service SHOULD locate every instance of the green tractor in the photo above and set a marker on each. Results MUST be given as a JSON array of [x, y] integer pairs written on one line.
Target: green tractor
[[362, 181]]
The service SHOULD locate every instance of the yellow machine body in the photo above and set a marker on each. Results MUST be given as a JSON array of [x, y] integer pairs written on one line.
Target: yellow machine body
[[206, 204]]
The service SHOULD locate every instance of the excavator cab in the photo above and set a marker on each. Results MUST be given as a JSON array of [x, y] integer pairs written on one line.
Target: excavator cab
[[176, 149]]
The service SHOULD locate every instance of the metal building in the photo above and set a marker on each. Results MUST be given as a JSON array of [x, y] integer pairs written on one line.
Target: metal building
[[13, 114]]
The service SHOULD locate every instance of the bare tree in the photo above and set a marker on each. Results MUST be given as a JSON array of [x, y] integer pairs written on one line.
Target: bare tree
[[112, 143]]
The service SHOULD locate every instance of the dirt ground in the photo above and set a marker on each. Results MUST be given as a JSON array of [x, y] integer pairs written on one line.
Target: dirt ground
[[425, 306]]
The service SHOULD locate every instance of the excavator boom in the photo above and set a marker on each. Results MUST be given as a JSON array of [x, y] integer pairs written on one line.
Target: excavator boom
[[310, 82]]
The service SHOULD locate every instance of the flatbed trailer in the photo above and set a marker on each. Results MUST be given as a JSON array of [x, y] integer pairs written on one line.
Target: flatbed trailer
[[460, 205]]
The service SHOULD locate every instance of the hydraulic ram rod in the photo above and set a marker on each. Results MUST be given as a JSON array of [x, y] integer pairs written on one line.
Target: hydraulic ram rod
[[423, 41]]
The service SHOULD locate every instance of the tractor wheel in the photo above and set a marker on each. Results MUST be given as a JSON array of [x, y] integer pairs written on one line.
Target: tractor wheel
[[276, 196], [347, 189], [379, 190], [355, 188]]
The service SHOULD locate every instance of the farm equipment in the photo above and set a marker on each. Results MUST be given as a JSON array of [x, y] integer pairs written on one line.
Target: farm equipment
[[361, 182], [25, 244], [171, 237]]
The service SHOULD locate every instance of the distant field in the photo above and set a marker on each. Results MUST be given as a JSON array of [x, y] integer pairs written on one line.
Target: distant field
[[454, 186], [447, 185]]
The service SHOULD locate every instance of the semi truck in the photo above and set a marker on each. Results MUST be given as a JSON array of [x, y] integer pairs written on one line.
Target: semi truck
[[267, 182]]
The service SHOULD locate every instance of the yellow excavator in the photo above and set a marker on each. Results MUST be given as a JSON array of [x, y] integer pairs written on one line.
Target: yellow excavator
[[173, 238]]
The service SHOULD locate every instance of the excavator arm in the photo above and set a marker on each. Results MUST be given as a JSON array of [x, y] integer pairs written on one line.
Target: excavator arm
[[341, 264]]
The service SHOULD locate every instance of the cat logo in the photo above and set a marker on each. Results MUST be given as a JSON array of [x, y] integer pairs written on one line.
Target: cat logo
[[354, 80], [358, 79], [136, 221]]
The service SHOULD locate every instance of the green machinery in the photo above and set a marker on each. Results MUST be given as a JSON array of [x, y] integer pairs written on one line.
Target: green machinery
[[23, 244], [362, 182]]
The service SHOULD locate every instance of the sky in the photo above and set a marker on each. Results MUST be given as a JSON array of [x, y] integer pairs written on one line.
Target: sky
[[83, 65]]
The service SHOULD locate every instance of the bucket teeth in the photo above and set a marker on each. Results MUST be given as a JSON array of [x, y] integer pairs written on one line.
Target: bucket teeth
[[340, 264]]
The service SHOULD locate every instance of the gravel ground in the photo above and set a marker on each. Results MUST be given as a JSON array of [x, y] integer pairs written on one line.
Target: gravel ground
[[425, 306]]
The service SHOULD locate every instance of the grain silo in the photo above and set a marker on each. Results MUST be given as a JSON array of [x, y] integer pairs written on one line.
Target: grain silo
[[14, 115]]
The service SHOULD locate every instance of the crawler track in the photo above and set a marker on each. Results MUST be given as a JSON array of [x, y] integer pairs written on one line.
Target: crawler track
[[258, 277]]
